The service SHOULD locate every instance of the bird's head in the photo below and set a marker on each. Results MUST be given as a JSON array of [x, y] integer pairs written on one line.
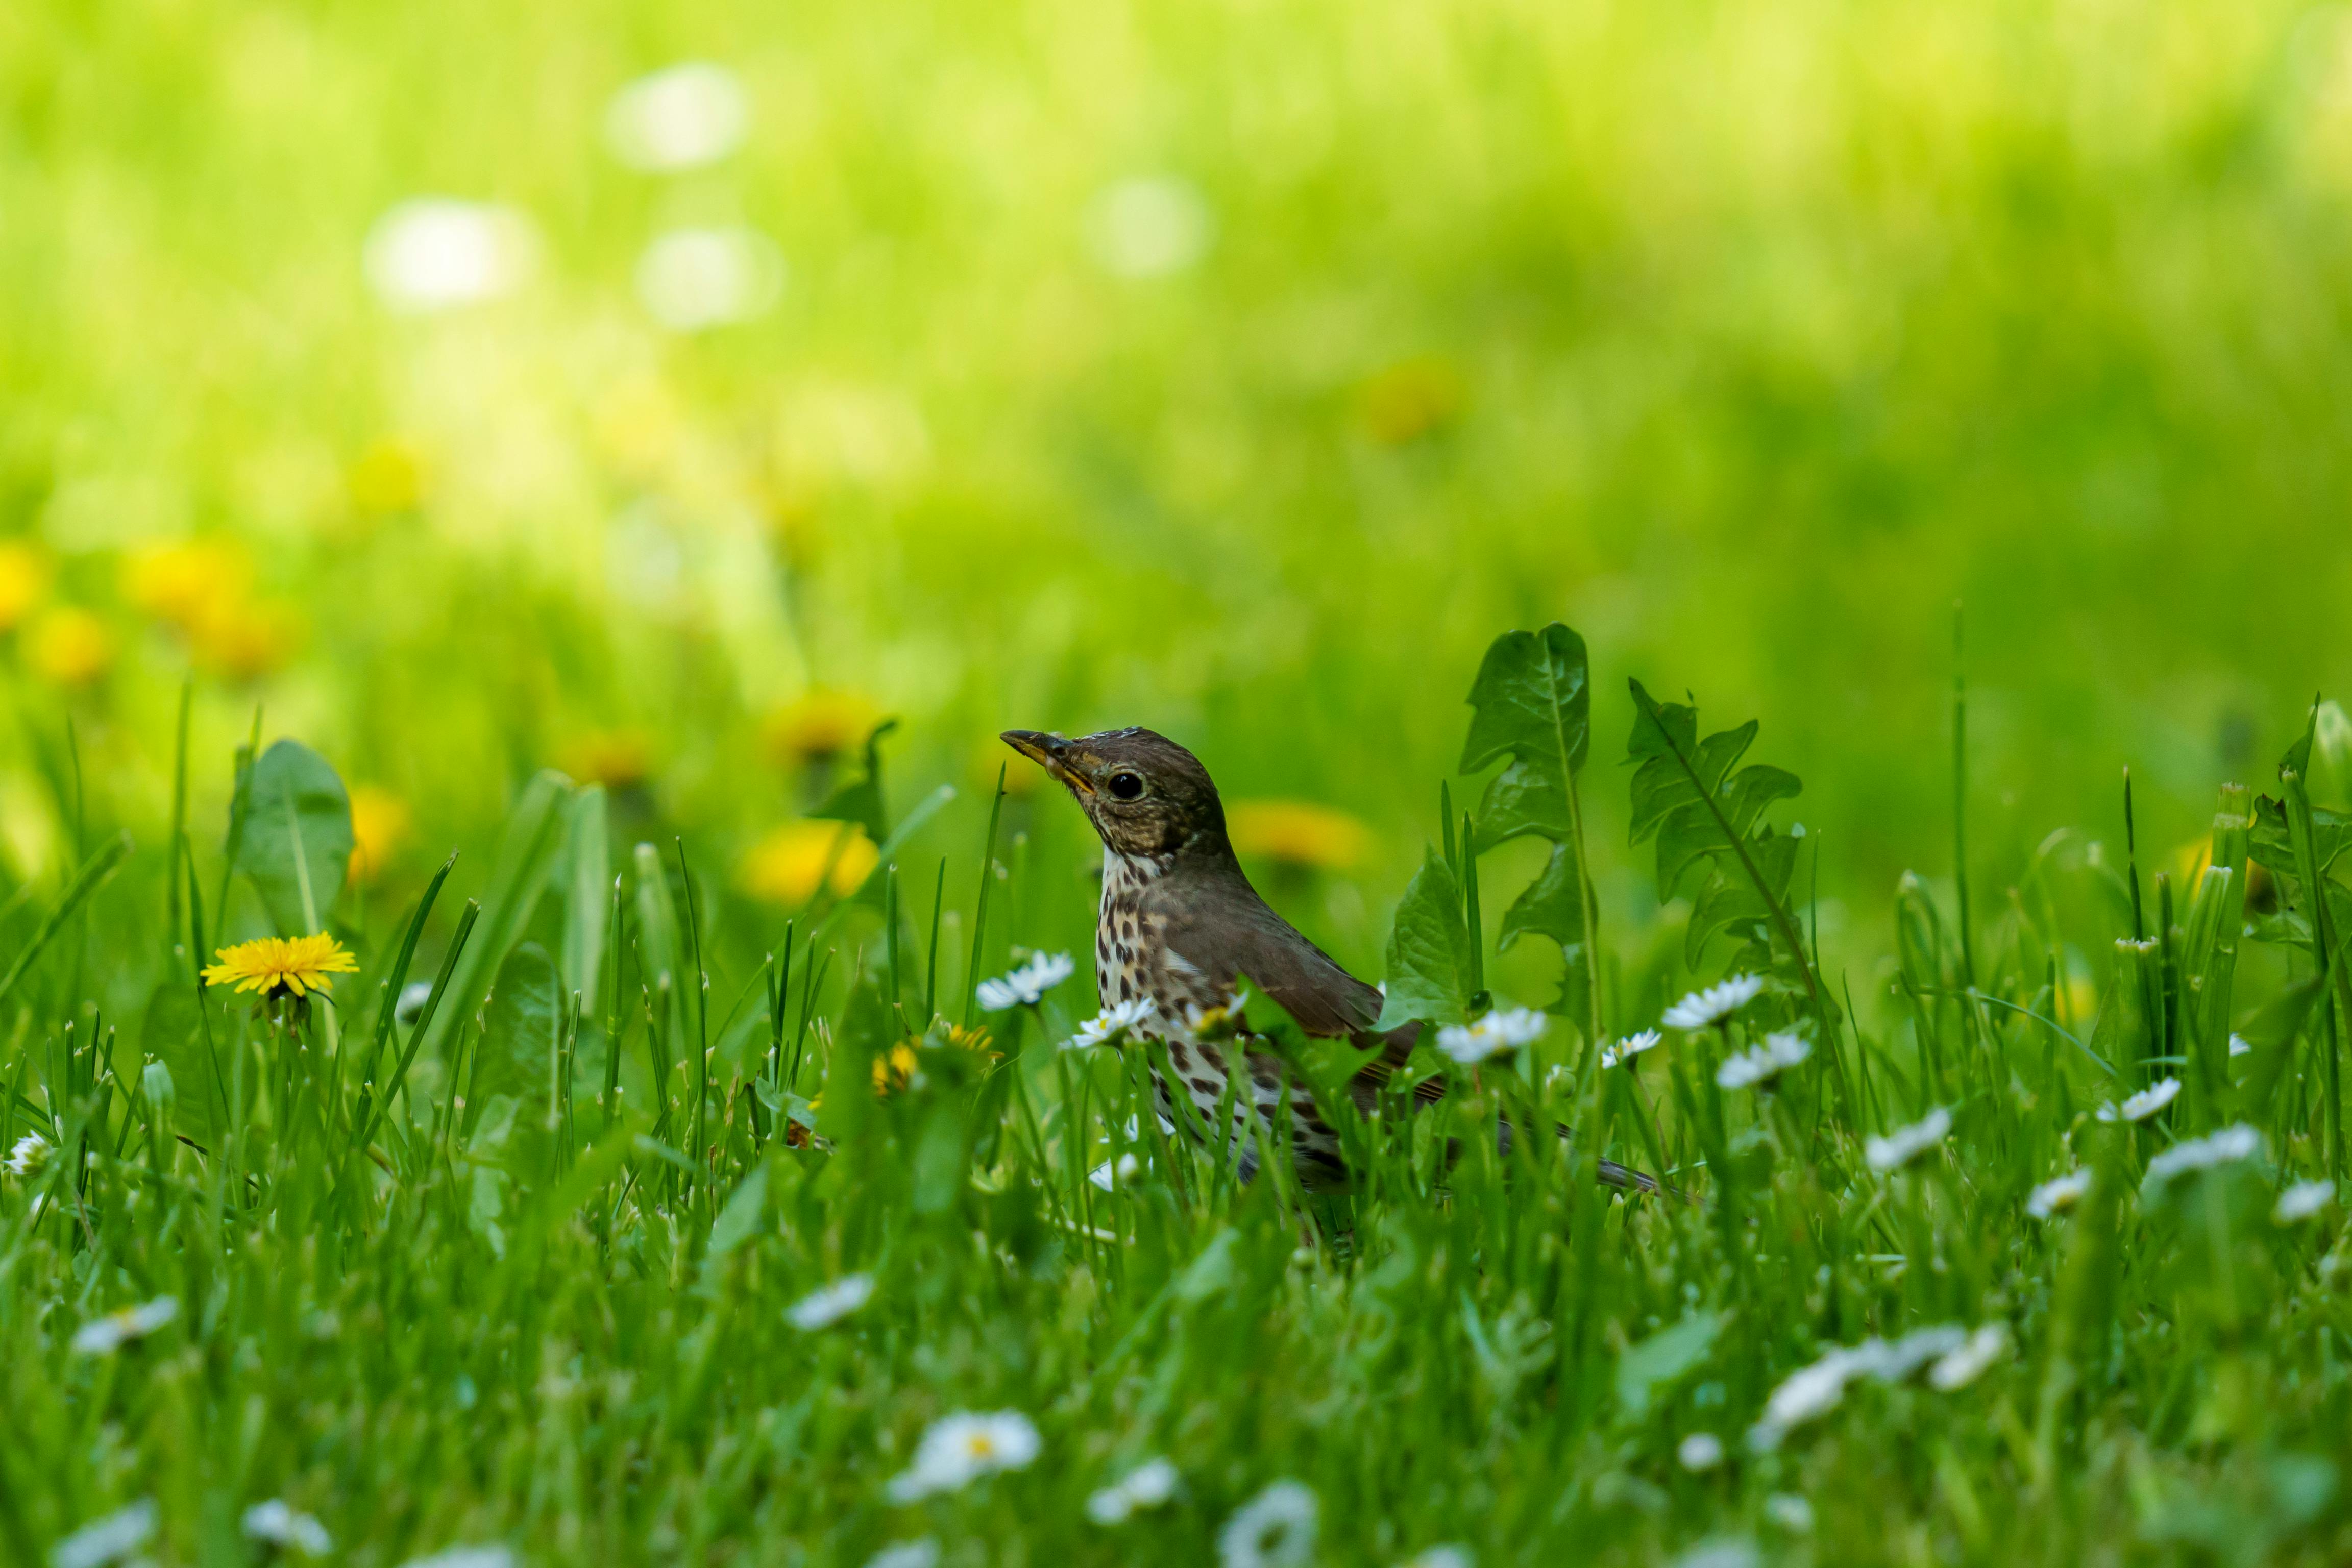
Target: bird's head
[[1145, 794]]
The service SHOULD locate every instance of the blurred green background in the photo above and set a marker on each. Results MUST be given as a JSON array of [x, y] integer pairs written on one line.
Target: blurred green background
[[1236, 369]]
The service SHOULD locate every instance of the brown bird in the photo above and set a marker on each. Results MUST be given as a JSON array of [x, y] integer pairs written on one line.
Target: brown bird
[[1180, 926]]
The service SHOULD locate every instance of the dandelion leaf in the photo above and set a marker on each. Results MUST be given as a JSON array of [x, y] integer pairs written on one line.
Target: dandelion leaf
[[1665, 1357], [297, 839], [1532, 702], [1430, 963]]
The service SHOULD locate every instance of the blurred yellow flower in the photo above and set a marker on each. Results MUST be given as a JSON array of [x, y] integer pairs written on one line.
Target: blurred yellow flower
[[1408, 400], [380, 823], [243, 639], [23, 579], [1295, 833], [617, 759], [70, 645], [388, 477], [187, 583], [822, 725], [282, 966], [894, 1068], [786, 866]]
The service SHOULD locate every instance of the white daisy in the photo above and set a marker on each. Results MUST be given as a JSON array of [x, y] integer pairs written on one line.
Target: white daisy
[[1122, 1018], [1445, 1556], [1024, 986], [2302, 1201], [2146, 1103], [1629, 1048], [1276, 1527], [277, 1523], [923, 1553], [1150, 226], [1763, 1063], [1814, 1390], [681, 117], [1148, 1485], [690, 279], [1503, 1030], [2058, 1195], [108, 1540], [104, 1336], [30, 1153], [823, 1309], [1699, 1451], [1721, 1553], [960, 1449], [491, 1557], [1905, 1145], [1107, 1175], [2241, 1047], [1960, 1367], [2238, 1142], [1791, 1512], [1715, 1004]]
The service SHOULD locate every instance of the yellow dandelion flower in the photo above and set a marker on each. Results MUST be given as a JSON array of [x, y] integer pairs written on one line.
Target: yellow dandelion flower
[[786, 867], [1295, 833], [70, 645], [243, 639], [380, 822], [894, 1069], [282, 966], [821, 725], [389, 478], [972, 1039], [1409, 400], [617, 759], [23, 579], [187, 583]]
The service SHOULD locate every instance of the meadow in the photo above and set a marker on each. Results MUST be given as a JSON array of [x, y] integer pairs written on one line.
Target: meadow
[[553, 506]]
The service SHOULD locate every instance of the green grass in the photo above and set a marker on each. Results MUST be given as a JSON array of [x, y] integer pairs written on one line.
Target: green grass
[[1747, 340], [436, 1287]]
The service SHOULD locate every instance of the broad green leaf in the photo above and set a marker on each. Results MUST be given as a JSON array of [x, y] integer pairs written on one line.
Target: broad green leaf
[[1666, 1355], [2272, 840], [1532, 701], [587, 894], [172, 1033], [1430, 961], [738, 1221], [527, 853], [860, 800], [1729, 898], [298, 837], [1553, 905], [2271, 1032], [518, 1051]]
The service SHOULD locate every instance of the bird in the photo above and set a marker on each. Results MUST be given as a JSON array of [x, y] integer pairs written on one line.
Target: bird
[[1181, 928]]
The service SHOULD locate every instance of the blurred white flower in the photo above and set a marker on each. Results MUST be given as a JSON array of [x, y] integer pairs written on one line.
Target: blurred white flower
[[108, 1540], [1505, 1030], [682, 117], [436, 253], [1120, 1018], [2238, 1142], [1699, 1451], [2302, 1201], [1024, 986], [1445, 1556], [2241, 1047], [1963, 1365], [1762, 1064], [1276, 1527], [1814, 1390], [690, 279], [2146, 1103], [1905, 1145], [1150, 226], [821, 1309], [492, 1556], [1720, 1554], [104, 1336], [1107, 1175], [1629, 1048], [923, 1553], [1791, 1512], [1715, 1004], [411, 1003], [960, 1449], [277, 1523], [1148, 1485], [30, 1153], [2058, 1195]]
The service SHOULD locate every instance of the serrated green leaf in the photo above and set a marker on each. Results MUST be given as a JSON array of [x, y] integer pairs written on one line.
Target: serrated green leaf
[[1729, 898], [1532, 701], [1430, 961], [2272, 1031], [298, 837], [2272, 841]]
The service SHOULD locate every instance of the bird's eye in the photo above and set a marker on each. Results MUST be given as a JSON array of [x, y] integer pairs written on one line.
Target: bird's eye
[[1126, 786]]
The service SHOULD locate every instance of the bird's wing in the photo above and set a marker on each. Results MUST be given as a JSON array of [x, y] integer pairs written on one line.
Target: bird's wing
[[1221, 927]]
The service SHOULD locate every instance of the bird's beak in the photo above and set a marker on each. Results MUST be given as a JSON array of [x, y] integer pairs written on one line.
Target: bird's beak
[[1051, 752]]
